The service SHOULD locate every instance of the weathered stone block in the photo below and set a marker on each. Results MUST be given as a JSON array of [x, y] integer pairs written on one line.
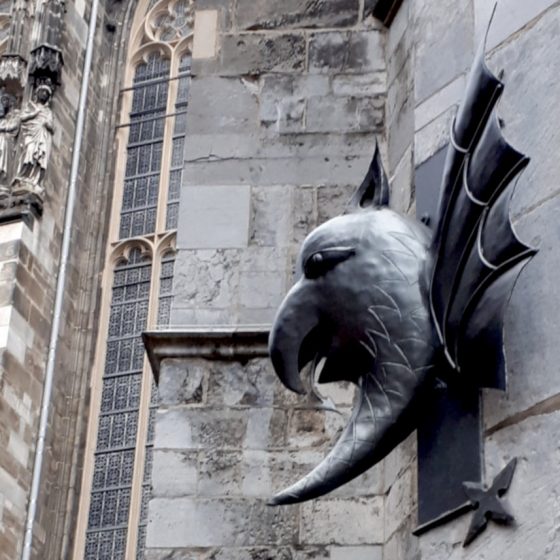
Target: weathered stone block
[[530, 109], [444, 44], [300, 170], [214, 217], [182, 381], [270, 217], [510, 16], [342, 522], [400, 501], [449, 96], [188, 428], [263, 14], [255, 54], [433, 136], [184, 522], [219, 106], [331, 201], [360, 85], [351, 52], [532, 351], [174, 474], [313, 428], [352, 114], [206, 278]]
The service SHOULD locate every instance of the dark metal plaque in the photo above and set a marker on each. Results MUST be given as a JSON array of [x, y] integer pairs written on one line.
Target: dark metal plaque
[[449, 439]]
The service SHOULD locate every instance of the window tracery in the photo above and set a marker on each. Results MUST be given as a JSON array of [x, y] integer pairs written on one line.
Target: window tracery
[[139, 280]]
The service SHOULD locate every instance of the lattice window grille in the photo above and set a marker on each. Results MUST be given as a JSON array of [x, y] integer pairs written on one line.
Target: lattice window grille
[[120, 401], [164, 307], [145, 147]]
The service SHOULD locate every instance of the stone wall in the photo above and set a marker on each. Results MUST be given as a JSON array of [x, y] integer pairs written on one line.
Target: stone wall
[[227, 437], [281, 130], [522, 422], [281, 122]]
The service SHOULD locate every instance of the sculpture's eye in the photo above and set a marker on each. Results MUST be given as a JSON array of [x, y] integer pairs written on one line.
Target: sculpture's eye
[[321, 262]]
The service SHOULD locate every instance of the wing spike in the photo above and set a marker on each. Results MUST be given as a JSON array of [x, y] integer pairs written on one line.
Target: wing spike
[[474, 242]]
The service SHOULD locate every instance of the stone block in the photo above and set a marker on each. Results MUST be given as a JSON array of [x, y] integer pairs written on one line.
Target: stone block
[[399, 27], [331, 201], [342, 522], [302, 169], [260, 289], [510, 17], [184, 522], [174, 474], [447, 97], [201, 428], [252, 54], [249, 384], [401, 133], [356, 553], [304, 213], [205, 34], [359, 85], [214, 217], [433, 137], [314, 428], [266, 428], [400, 501], [219, 106], [271, 222], [532, 351], [402, 183], [263, 14], [205, 279], [444, 44], [182, 381], [530, 109], [351, 114], [358, 52]]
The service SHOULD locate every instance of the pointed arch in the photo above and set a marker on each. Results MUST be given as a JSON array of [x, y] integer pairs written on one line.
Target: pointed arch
[[137, 280]]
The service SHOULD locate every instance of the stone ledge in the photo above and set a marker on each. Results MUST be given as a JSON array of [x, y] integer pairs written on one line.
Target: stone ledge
[[26, 207], [209, 342]]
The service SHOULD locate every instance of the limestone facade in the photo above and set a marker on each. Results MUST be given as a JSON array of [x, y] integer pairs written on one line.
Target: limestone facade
[[285, 101]]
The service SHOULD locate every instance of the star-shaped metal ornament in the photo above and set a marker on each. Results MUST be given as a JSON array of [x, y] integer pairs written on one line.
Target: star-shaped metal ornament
[[487, 502]]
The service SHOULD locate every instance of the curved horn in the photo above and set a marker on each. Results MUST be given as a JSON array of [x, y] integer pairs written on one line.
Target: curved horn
[[383, 416]]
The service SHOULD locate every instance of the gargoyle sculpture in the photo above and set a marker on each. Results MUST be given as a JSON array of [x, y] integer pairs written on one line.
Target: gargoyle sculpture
[[383, 302]]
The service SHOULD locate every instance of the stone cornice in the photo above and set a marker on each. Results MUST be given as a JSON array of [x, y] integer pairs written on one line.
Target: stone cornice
[[208, 342]]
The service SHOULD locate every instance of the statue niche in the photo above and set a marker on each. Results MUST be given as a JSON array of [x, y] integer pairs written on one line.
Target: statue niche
[[9, 126]]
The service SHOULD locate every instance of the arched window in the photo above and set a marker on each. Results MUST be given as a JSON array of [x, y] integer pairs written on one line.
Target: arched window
[[138, 279]]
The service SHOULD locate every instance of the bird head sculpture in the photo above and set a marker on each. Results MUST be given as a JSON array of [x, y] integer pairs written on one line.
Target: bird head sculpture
[[383, 302]]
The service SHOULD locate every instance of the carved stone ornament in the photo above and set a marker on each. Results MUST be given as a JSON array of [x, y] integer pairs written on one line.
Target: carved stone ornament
[[46, 62], [34, 143], [13, 73], [383, 302]]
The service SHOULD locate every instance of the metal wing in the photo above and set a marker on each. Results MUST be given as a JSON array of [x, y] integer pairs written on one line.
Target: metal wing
[[477, 255]]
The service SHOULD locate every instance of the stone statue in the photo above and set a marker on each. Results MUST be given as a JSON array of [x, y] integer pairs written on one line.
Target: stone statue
[[35, 139], [9, 126]]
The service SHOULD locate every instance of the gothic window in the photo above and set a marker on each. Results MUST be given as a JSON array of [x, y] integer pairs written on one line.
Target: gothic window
[[113, 514]]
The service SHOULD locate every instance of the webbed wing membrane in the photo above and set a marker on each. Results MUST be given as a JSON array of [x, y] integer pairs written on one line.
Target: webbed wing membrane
[[477, 256]]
